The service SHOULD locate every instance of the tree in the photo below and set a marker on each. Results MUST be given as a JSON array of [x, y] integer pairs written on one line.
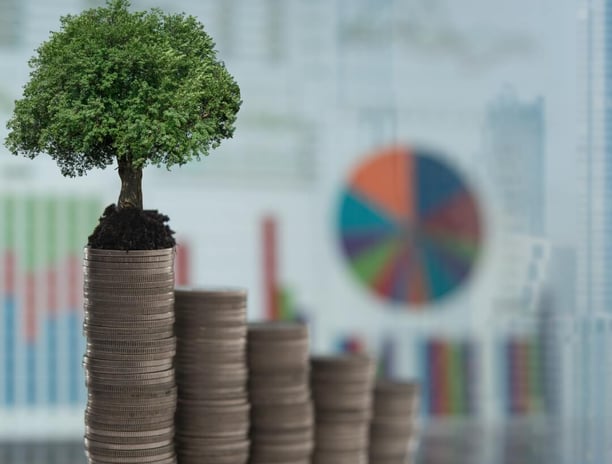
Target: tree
[[137, 87]]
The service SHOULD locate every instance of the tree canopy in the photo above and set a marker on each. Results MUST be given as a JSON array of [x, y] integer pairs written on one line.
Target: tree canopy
[[138, 87]]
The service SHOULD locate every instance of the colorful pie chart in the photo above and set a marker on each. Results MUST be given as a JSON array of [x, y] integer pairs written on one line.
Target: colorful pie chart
[[409, 226]]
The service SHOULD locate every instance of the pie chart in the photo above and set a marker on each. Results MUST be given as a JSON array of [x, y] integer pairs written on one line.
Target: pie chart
[[409, 226]]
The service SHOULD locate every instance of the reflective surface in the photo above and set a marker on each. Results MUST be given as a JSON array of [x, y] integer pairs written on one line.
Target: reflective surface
[[524, 442]]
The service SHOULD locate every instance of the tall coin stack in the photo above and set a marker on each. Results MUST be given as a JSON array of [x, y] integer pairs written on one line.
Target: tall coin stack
[[129, 317], [282, 413], [342, 390], [393, 432], [212, 418]]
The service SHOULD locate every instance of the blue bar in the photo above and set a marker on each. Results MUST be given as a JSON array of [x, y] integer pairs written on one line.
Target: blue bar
[[507, 362], [9, 351], [51, 329], [30, 373], [470, 387], [423, 354]]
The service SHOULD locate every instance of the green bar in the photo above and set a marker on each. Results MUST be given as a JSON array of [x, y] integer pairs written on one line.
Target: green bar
[[535, 377], [51, 232], [9, 222], [31, 247], [286, 304], [456, 378], [72, 223]]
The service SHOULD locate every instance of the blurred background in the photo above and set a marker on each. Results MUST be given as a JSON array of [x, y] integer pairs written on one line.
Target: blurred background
[[484, 125]]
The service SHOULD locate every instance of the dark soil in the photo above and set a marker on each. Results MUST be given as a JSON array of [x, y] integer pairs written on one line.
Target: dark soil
[[132, 229]]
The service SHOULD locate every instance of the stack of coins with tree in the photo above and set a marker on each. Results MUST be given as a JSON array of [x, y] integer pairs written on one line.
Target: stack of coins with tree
[[342, 390], [129, 357], [279, 391], [212, 418], [130, 89], [393, 431]]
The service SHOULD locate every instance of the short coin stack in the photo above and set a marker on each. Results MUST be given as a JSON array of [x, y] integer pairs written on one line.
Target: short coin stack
[[282, 413], [342, 389], [212, 418], [393, 432], [129, 317]]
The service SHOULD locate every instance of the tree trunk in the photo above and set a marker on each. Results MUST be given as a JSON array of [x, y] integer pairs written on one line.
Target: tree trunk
[[131, 185]]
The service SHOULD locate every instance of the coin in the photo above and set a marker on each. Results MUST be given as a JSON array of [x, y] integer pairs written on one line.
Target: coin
[[87, 251], [342, 388], [129, 317], [277, 330], [211, 293], [152, 260]]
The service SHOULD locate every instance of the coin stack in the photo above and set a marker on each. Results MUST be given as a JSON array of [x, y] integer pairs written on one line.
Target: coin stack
[[129, 317], [342, 391], [279, 390], [393, 432], [212, 418]]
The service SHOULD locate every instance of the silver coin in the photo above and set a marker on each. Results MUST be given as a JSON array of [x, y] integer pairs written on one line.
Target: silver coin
[[128, 274], [103, 278], [165, 293], [162, 431], [211, 292], [155, 325], [128, 259], [87, 251], [203, 308], [129, 446], [121, 357], [127, 318], [281, 452], [126, 266], [400, 388], [159, 343], [103, 335], [214, 393], [281, 378], [263, 397], [122, 284], [137, 453], [345, 401], [114, 301], [347, 362], [135, 379], [277, 330], [118, 417]]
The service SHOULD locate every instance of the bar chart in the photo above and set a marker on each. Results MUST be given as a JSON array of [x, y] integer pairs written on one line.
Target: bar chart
[[41, 244], [449, 373]]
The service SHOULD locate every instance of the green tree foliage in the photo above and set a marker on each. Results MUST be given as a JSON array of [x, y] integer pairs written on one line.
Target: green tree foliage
[[137, 87]]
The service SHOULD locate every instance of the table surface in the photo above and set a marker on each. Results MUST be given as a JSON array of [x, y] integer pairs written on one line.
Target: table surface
[[457, 442]]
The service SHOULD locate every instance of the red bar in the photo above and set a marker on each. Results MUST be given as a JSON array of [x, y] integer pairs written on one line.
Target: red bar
[[30, 307], [525, 377], [75, 290], [518, 385], [444, 377], [514, 363], [182, 266], [271, 303], [354, 345], [9, 273]]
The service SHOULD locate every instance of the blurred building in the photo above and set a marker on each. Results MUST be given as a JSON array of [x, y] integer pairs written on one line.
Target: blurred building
[[514, 134], [595, 159], [587, 400]]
